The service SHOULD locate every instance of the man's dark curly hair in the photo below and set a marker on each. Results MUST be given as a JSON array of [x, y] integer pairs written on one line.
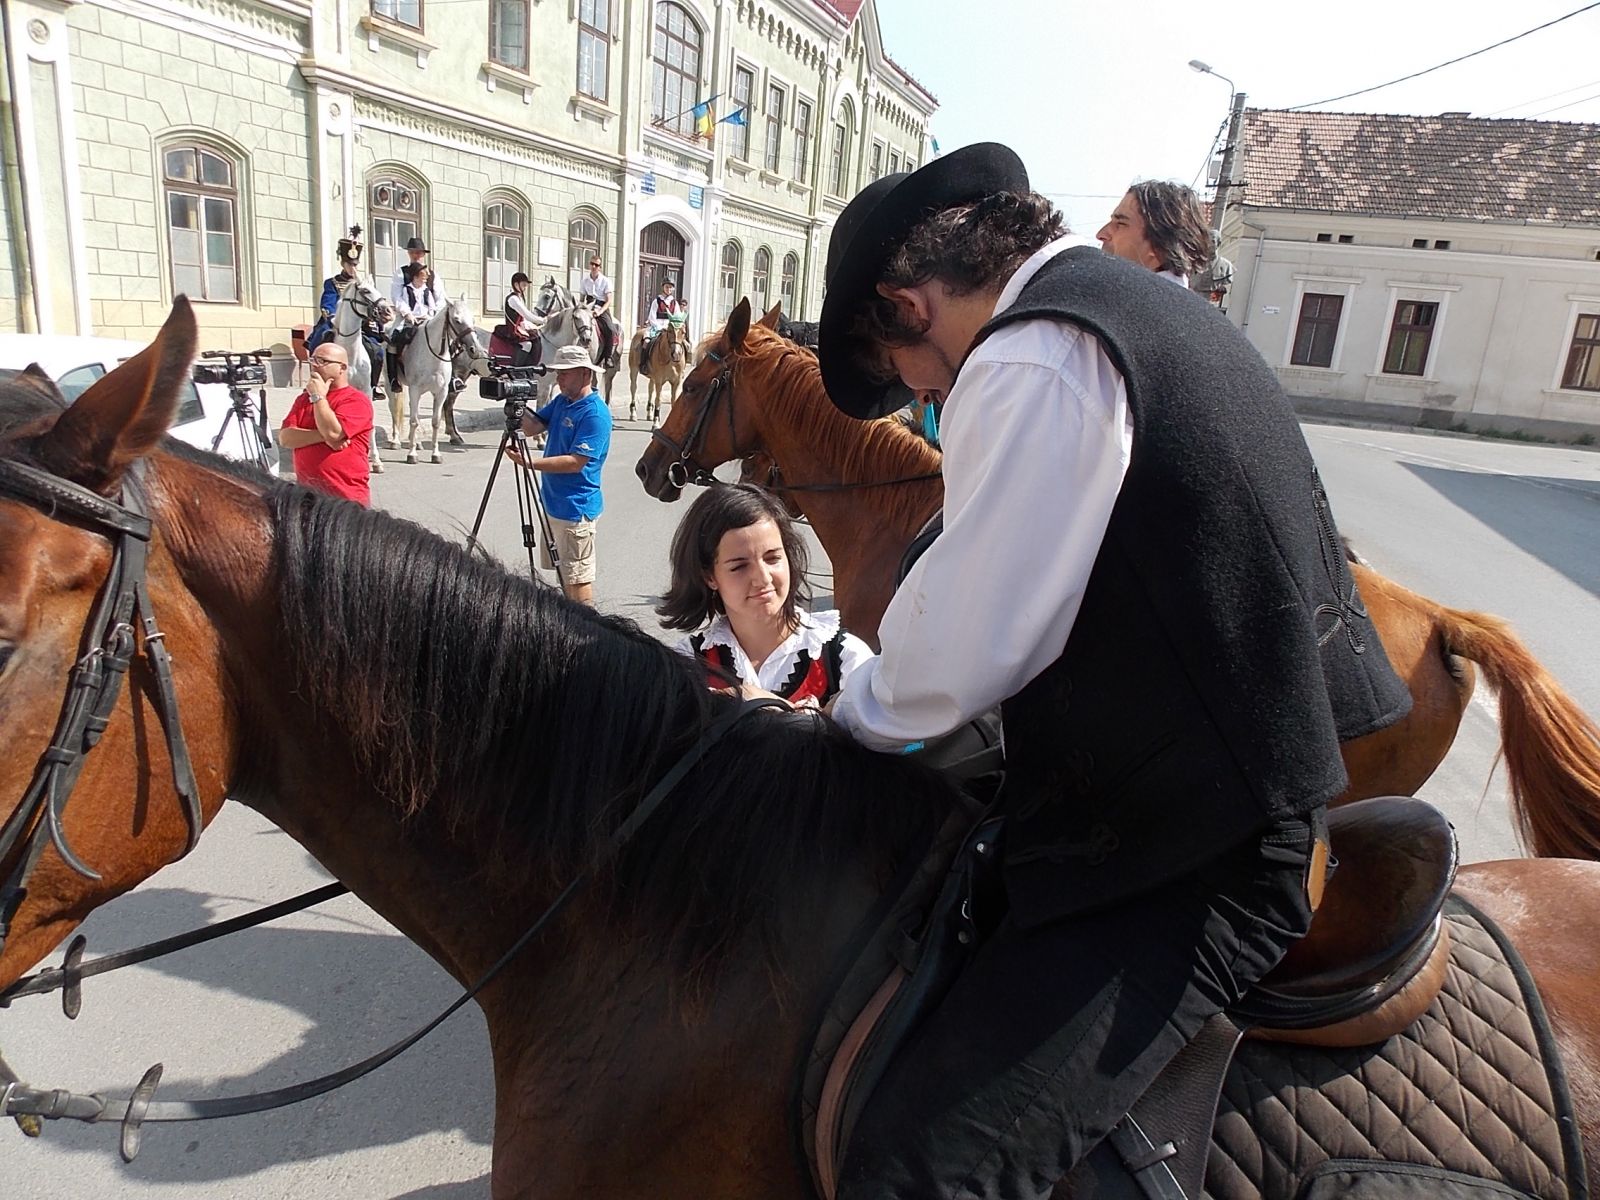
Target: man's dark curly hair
[[1174, 225], [967, 248]]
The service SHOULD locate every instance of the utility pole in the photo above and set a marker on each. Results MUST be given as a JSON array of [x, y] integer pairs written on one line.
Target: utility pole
[[1225, 180]]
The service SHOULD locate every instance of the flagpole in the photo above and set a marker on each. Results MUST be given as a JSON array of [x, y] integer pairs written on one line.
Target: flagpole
[[708, 100]]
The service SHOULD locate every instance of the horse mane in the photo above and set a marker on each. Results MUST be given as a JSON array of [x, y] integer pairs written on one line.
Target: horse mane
[[788, 381], [506, 717]]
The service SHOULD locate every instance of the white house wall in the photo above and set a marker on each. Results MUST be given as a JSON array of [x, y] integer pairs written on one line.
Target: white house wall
[[1508, 298]]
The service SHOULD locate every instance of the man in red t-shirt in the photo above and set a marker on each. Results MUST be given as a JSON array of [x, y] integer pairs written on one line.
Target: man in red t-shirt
[[329, 428]]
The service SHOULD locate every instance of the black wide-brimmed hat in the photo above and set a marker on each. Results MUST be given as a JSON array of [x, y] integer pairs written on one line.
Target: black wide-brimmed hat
[[417, 244], [870, 229]]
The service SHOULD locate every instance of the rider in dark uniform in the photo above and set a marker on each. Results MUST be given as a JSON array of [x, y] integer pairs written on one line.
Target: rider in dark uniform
[[349, 256]]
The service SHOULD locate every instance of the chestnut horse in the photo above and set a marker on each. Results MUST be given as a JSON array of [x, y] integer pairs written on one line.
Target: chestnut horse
[[664, 360], [868, 487], [683, 979]]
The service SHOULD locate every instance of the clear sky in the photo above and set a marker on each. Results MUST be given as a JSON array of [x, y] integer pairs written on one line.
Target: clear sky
[[1096, 95]]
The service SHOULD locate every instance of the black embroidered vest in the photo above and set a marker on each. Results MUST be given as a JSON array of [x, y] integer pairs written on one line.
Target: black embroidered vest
[[1221, 651]]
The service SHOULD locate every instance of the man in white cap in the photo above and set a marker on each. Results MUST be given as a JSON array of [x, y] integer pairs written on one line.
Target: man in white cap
[[1140, 566], [579, 427]]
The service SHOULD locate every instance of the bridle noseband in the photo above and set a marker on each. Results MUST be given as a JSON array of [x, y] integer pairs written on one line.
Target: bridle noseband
[[685, 468], [110, 640], [363, 314]]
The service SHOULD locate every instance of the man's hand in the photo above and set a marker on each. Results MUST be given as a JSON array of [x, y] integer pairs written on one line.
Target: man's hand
[[515, 456], [317, 388]]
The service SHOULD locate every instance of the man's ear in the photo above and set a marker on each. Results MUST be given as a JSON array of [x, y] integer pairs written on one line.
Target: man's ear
[[912, 302]]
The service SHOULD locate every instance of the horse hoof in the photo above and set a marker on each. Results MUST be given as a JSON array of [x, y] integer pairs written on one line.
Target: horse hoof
[[436, 457], [411, 457], [377, 466], [457, 440]]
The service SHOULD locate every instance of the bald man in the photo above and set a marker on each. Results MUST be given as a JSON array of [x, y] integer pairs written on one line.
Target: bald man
[[329, 428]]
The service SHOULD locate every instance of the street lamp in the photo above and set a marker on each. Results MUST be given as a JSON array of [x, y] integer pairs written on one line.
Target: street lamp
[[1219, 204]]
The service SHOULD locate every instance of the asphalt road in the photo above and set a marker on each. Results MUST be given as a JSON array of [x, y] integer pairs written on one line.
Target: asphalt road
[[1509, 528]]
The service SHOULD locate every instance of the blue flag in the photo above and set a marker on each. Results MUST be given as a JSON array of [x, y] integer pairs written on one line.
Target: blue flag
[[935, 147], [736, 117]]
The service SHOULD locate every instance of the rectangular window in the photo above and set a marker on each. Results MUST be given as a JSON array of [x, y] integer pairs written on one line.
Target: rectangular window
[[894, 161], [773, 159], [200, 195], [402, 12], [802, 139], [594, 48], [1324, 237], [911, 163], [508, 33], [1317, 331], [877, 160], [1346, 239], [1583, 359], [1409, 337], [744, 86]]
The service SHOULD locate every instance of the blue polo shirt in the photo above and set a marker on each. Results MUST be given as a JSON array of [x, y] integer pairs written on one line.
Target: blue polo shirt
[[576, 427]]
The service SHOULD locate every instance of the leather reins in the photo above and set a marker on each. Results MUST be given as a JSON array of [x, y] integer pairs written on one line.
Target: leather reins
[[95, 681], [92, 690]]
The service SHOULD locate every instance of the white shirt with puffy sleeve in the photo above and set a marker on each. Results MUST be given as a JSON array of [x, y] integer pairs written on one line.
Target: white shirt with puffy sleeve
[[1037, 437]]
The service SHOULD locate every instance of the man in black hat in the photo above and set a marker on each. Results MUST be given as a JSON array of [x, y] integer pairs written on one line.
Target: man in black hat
[[416, 251], [1140, 565]]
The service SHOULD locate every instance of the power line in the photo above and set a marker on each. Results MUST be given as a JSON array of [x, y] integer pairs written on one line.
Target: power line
[[1547, 96], [1215, 138], [1463, 58], [1569, 104]]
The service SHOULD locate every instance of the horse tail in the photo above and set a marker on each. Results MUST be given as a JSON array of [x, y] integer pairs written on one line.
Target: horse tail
[[1550, 745]]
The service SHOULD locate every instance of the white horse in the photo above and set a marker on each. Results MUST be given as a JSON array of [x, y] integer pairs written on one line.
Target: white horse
[[428, 363], [359, 303], [564, 321]]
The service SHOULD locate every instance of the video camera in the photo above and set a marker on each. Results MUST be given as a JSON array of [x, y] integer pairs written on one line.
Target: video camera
[[240, 369], [512, 385]]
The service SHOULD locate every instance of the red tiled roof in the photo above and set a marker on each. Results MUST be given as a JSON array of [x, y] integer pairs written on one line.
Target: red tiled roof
[[846, 10], [1450, 166]]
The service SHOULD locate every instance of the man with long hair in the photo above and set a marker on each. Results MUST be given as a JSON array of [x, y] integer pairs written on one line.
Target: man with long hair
[[1160, 225], [1140, 565]]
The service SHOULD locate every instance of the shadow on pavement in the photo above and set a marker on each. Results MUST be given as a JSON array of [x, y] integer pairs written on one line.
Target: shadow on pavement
[[359, 990], [1555, 520], [468, 1189]]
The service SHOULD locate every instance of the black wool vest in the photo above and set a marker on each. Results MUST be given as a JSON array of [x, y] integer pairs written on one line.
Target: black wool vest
[[1221, 651]]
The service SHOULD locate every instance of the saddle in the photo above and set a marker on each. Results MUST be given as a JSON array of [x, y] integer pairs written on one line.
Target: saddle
[[504, 343], [1373, 961]]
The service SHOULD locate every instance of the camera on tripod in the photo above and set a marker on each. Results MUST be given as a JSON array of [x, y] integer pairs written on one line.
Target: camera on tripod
[[511, 384], [237, 369]]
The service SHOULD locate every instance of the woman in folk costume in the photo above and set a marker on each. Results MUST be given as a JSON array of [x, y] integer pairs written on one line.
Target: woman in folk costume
[[418, 302], [738, 580], [521, 320]]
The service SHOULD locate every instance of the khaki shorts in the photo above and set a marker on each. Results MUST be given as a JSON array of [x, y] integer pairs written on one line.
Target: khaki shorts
[[575, 544]]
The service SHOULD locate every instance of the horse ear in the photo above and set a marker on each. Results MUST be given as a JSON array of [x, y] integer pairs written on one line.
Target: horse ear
[[738, 324], [122, 415], [774, 314]]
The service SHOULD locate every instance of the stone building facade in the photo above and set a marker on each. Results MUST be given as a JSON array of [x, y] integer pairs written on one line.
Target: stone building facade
[[220, 148]]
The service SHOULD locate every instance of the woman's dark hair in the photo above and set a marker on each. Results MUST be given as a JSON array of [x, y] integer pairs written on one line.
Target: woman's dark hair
[[1174, 225], [690, 601], [519, 277], [967, 248]]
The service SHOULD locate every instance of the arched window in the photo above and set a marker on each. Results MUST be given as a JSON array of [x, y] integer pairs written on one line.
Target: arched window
[[503, 241], [760, 285], [586, 234], [394, 217], [594, 48], [844, 131], [727, 282], [786, 287], [675, 69], [201, 187]]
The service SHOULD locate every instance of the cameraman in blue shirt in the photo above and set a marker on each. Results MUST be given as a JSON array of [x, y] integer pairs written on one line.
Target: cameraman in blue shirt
[[579, 427]]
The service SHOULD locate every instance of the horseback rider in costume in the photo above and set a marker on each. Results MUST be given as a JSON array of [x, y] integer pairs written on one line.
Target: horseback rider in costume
[[598, 288], [1176, 661], [349, 256], [666, 309], [418, 301]]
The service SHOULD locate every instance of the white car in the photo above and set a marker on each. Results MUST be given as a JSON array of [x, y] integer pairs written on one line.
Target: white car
[[75, 362]]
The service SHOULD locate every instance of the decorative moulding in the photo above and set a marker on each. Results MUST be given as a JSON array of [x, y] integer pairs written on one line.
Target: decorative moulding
[[495, 74], [379, 29]]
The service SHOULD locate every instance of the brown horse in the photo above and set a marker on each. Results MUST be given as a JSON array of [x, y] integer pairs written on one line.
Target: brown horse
[[664, 363], [682, 979], [866, 488]]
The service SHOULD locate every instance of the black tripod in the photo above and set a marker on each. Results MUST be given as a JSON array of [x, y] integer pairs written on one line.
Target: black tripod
[[254, 437], [534, 521]]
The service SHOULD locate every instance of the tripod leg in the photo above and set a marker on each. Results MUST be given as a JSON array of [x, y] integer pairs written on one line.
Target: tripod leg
[[483, 504]]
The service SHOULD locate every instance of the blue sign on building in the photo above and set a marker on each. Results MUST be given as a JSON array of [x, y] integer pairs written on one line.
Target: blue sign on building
[[697, 197], [647, 184]]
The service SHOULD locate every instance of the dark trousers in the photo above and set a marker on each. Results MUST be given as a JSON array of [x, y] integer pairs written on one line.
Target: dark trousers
[[1053, 1032], [608, 337]]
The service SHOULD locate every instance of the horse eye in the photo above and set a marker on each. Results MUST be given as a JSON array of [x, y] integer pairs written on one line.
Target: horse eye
[[6, 651]]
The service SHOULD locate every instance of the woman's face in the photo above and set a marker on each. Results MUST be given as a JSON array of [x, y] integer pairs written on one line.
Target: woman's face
[[751, 573]]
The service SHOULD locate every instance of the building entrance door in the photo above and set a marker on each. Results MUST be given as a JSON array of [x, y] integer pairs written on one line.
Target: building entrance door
[[661, 251]]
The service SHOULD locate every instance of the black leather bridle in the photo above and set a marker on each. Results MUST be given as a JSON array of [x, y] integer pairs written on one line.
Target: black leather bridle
[[686, 468], [110, 640], [373, 304]]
